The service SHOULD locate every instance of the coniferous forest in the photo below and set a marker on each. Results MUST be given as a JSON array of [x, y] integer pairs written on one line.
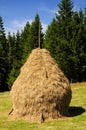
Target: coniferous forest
[[65, 38]]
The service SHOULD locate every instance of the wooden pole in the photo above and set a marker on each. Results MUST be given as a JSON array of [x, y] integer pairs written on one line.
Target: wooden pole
[[39, 35]]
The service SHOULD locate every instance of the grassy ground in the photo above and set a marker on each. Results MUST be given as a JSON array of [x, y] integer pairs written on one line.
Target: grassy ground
[[76, 122]]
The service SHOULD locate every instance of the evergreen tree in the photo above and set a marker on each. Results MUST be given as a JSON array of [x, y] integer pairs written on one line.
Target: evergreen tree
[[11, 40], [51, 35], [34, 33], [59, 33], [71, 50], [10, 50], [25, 42], [15, 56], [3, 58], [79, 46], [64, 18]]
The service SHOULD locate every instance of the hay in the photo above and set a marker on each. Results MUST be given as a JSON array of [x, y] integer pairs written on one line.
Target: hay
[[41, 91]]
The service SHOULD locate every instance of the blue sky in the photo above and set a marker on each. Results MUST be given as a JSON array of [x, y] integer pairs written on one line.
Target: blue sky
[[15, 13]]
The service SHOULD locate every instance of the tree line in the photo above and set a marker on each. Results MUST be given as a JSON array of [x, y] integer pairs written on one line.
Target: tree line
[[65, 38]]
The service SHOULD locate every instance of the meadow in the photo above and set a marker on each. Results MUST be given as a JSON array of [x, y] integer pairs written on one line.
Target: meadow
[[77, 121]]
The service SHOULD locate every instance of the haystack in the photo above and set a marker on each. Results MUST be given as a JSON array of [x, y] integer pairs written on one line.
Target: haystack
[[41, 91]]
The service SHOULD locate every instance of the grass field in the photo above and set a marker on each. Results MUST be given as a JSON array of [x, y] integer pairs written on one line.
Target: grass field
[[76, 122]]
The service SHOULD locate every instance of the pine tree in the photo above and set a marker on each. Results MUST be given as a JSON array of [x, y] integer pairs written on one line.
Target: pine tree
[[71, 50], [11, 40], [18, 51], [60, 36], [15, 53], [25, 42], [51, 41], [10, 50], [79, 46], [3, 58], [64, 18], [34, 33]]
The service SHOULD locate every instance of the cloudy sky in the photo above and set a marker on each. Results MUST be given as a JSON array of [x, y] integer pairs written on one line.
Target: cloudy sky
[[15, 13]]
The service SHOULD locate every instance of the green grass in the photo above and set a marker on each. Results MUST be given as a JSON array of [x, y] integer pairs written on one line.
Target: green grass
[[77, 122]]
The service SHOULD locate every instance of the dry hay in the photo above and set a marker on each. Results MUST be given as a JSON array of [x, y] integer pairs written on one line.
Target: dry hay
[[41, 91]]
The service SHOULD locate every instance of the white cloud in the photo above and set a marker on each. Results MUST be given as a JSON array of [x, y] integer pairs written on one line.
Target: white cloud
[[75, 8], [10, 29], [16, 25], [47, 10], [44, 26]]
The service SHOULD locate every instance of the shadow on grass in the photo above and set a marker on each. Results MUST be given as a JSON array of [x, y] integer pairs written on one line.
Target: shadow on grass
[[75, 111]]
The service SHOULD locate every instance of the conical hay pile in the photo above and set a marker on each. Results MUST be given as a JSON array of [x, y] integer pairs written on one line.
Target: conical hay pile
[[41, 91]]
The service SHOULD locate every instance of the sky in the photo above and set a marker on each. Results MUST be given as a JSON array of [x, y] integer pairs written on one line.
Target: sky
[[15, 13]]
